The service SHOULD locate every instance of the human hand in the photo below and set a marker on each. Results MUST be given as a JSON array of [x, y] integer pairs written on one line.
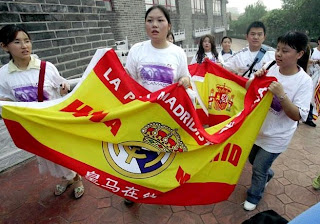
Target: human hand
[[184, 81], [64, 88], [277, 89], [260, 72]]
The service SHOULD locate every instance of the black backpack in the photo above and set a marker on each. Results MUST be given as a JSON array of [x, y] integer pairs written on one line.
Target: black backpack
[[266, 217]]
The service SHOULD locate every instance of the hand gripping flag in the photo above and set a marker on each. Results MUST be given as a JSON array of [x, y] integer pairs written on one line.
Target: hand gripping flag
[[147, 147]]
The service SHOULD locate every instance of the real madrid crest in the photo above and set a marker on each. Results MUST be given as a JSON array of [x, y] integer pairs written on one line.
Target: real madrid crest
[[146, 158]]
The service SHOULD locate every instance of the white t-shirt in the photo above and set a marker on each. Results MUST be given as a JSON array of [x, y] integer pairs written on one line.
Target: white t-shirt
[[316, 54], [241, 61], [224, 56], [22, 85], [156, 68], [278, 129], [314, 69], [208, 55]]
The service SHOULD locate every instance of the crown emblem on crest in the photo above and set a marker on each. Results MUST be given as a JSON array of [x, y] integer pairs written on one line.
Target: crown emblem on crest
[[222, 99], [163, 138]]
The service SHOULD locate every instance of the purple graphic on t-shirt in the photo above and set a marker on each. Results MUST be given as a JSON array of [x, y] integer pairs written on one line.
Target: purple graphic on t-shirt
[[28, 94], [157, 73], [276, 105]]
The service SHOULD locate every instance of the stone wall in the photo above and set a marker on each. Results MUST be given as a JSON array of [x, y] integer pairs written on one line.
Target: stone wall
[[64, 32], [127, 20]]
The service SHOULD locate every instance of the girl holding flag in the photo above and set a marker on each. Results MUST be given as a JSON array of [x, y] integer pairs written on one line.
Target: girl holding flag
[[20, 82], [157, 63], [292, 94]]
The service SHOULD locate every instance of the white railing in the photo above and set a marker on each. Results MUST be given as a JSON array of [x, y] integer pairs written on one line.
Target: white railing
[[190, 51], [219, 29], [122, 55], [180, 35], [201, 32]]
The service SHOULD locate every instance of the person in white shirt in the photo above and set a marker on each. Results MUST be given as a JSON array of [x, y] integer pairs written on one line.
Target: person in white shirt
[[19, 82], [226, 51], [292, 94], [252, 58], [207, 49], [314, 72]]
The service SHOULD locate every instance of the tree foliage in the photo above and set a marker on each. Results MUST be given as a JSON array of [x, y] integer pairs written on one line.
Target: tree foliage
[[299, 15], [252, 13]]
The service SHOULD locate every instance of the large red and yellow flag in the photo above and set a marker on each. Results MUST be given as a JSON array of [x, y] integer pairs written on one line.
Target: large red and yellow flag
[[147, 147]]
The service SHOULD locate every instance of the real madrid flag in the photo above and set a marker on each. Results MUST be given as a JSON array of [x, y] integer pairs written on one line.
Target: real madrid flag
[[147, 147]]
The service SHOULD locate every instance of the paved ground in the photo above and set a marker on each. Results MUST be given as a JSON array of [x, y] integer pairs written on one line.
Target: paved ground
[[27, 197]]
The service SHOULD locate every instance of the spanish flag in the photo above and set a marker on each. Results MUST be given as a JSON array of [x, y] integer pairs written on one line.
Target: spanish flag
[[316, 108], [143, 146]]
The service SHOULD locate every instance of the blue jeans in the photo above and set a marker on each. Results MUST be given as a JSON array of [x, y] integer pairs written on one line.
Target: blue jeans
[[261, 161]]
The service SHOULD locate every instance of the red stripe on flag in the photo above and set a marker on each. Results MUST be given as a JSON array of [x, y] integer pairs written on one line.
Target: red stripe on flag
[[210, 67], [184, 195], [109, 70]]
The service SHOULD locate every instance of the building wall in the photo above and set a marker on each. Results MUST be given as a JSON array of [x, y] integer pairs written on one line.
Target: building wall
[[64, 32], [127, 20], [68, 32]]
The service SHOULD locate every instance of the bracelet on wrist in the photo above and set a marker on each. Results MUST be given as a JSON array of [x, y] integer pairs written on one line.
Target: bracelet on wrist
[[282, 98]]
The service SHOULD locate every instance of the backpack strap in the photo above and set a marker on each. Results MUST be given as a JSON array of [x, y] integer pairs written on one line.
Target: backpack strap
[[41, 80], [256, 60]]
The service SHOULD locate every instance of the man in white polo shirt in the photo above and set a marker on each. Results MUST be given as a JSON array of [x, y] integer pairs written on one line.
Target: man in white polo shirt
[[250, 59]]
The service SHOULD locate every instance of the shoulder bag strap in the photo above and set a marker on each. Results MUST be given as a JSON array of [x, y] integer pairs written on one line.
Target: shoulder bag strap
[[41, 80], [256, 60]]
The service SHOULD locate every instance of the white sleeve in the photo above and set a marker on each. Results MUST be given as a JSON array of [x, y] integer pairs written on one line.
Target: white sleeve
[[5, 90], [220, 58], [194, 60], [303, 97], [230, 63], [183, 66], [131, 63], [52, 73]]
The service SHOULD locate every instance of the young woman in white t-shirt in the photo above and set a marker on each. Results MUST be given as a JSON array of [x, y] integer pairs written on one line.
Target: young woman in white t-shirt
[[19, 82], [207, 49], [226, 51], [292, 94], [157, 63]]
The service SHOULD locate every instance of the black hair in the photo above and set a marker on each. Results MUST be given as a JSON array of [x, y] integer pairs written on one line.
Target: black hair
[[162, 8], [256, 24], [318, 38], [226, 37], [201, 53], [9, 33], [298, 41], [170, 33]]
